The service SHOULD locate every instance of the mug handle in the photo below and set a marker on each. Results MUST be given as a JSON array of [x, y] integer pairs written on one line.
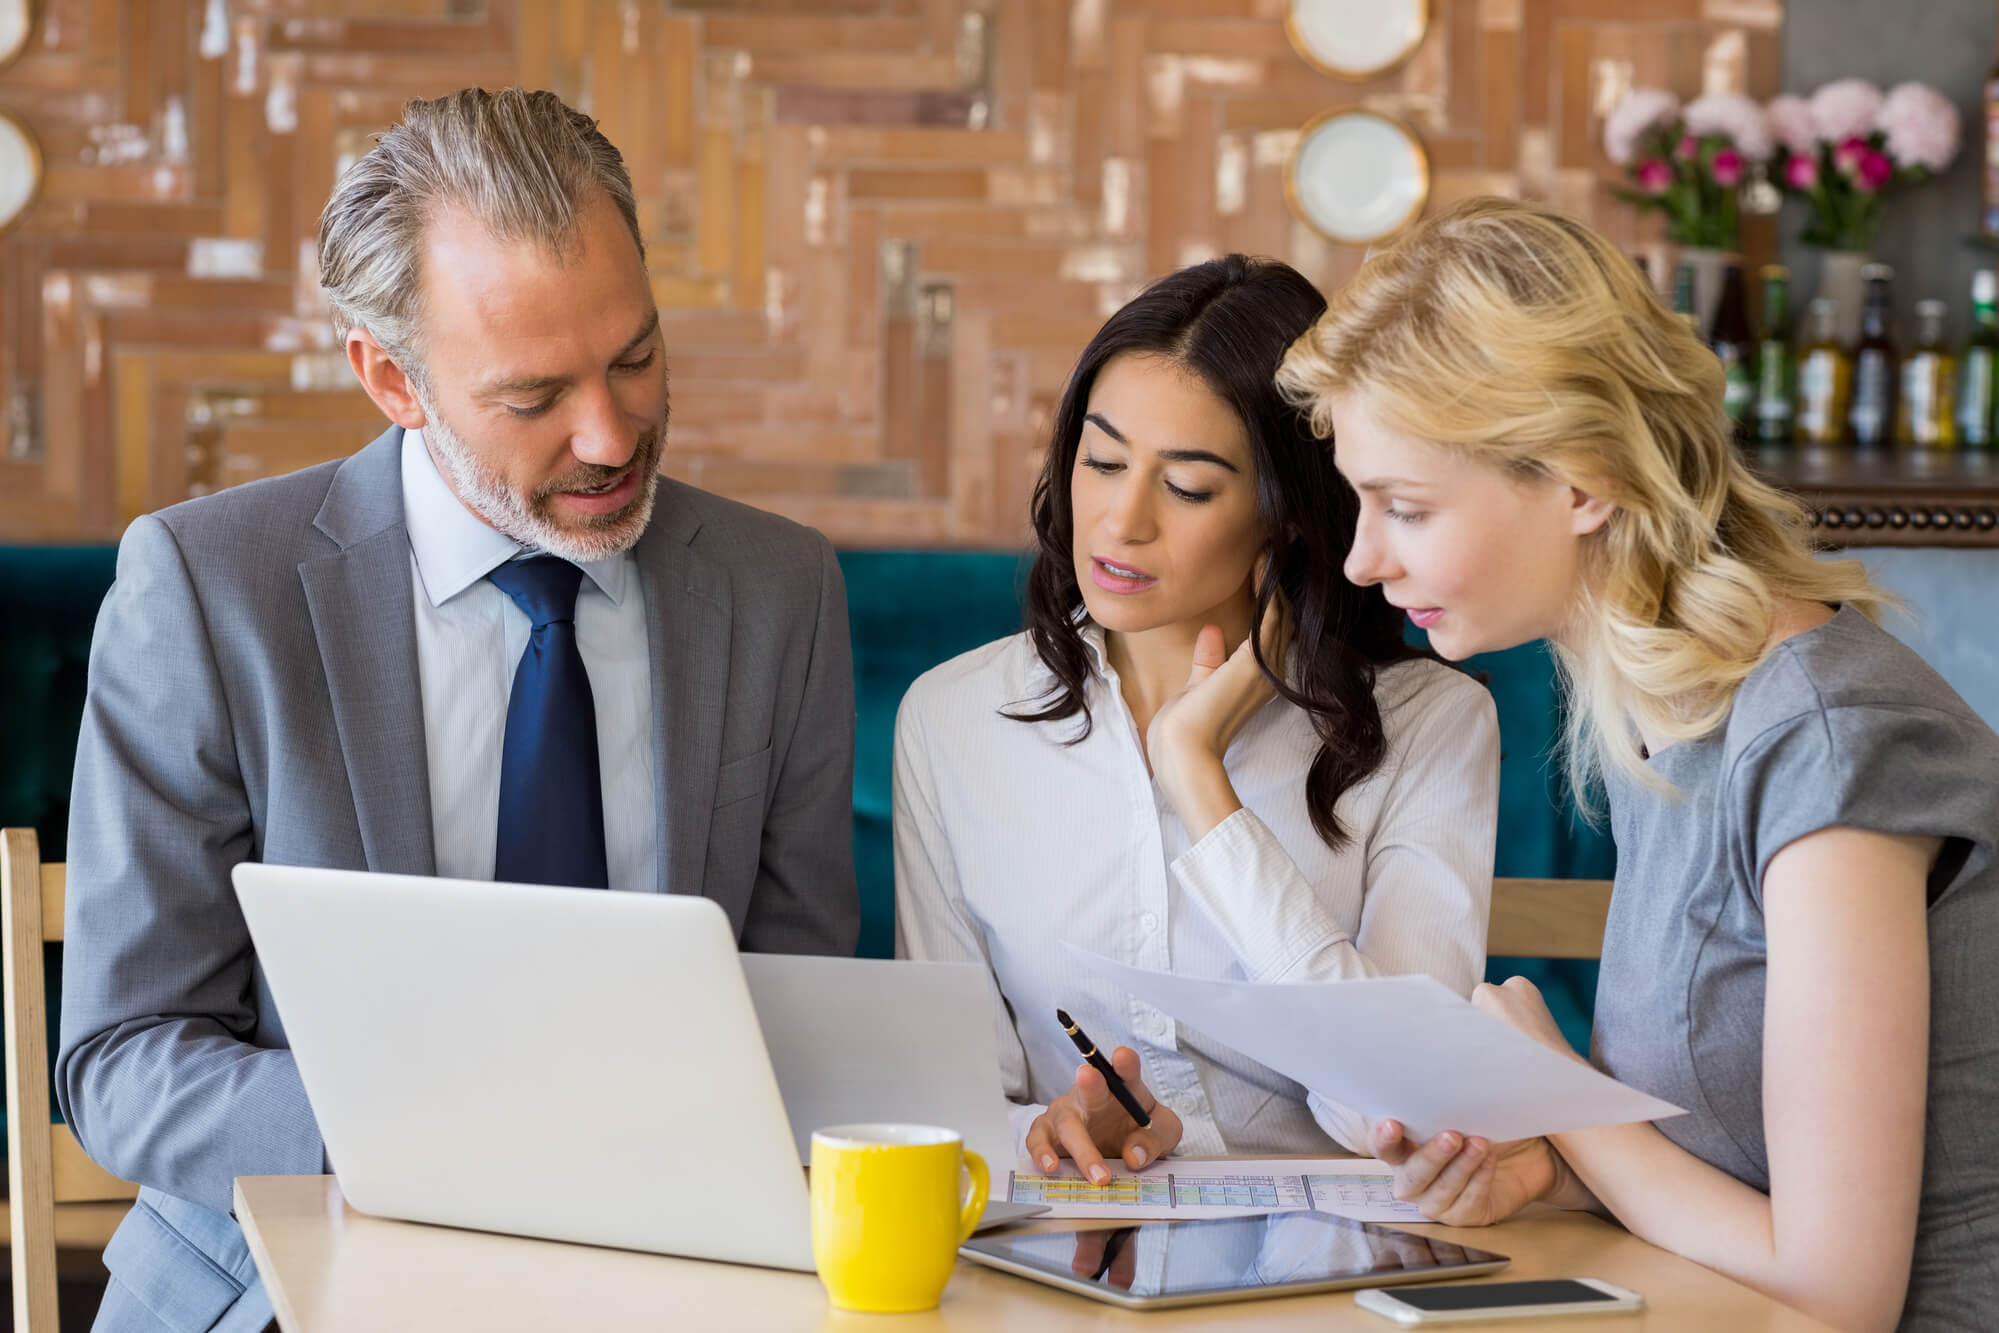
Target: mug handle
[[975, 1204]]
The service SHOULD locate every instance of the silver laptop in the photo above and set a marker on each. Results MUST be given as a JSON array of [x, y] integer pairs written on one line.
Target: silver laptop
[[590, 1066]]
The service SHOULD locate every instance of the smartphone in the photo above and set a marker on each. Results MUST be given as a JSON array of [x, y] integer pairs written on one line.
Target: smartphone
[[1456, 1302]]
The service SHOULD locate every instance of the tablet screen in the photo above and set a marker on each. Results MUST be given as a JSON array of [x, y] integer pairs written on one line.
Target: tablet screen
[[1164, 1260]]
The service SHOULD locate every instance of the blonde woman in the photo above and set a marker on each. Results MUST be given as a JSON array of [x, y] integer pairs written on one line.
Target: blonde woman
[[1802, 941]]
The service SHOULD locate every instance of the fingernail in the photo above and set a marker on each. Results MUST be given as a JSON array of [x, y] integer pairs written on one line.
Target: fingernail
[[1473, 1150], [1138, 1157], [1100, 1174], [1449, 1140], [1048, 1163]]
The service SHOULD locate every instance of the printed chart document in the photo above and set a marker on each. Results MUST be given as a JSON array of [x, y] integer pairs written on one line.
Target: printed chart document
[[1355, 1187], [1407, 1048]]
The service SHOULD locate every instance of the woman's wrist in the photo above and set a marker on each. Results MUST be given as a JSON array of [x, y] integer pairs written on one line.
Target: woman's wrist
[[1566, 1189], [1200, 792]]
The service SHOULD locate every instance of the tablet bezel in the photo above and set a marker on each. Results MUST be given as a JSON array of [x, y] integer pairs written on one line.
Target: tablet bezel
[[1068, 1281]]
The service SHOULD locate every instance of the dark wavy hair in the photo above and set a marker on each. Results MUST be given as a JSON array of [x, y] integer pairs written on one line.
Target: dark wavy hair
[[1229, 321]]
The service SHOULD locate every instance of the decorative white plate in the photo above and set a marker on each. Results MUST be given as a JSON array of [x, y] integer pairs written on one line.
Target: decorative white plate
[[1357, 176], [20, 170], [16, 18], [1356, 39]]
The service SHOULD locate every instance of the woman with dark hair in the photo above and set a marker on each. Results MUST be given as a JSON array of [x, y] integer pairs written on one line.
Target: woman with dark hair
[[1208, 752]]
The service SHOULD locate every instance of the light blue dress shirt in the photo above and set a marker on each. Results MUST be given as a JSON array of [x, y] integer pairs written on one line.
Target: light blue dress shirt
[[470, 637]]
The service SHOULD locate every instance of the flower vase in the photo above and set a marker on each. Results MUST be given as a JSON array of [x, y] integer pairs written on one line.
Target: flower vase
[[1839, 278], [1709, 265]]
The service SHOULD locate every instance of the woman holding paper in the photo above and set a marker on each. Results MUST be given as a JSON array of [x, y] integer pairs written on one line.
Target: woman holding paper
[[1801, 939], [1208, 752]]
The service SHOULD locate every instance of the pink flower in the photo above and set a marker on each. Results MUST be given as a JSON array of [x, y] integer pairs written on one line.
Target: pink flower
[[1920, 126], [1728, 167], [1689, 148], [1733, 117], [1790, 122], [1801, 171], [1641, 109], [1655, 176], [1875, 169], [1847, 157], [1845, 109]]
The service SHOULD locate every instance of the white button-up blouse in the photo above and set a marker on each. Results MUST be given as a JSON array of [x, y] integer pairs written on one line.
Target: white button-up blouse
[[1008, 842]]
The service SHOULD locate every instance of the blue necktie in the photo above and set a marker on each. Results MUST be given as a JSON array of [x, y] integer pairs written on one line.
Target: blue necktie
[[551, 793]]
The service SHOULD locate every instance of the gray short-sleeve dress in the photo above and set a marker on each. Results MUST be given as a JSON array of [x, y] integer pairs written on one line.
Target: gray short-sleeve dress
[[1841, 726]]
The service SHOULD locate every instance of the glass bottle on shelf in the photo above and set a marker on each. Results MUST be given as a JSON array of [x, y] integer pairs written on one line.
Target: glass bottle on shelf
[[1870, 420], [1731, 340], [1776, 366], [1989, 220], [1927, 416], [1978, 367], [1683, 296], [1825, 376]]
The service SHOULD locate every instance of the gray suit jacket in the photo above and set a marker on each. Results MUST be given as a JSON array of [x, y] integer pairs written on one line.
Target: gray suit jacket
[[254, 696]]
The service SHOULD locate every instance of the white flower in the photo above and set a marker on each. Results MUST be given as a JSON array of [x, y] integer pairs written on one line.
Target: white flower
[[1920, 125], [1733, 117], [1845, 109], [1791, 123], [1641, 109]]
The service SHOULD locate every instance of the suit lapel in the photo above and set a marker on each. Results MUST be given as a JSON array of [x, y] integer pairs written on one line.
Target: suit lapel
[[363, 617], [687, 630]]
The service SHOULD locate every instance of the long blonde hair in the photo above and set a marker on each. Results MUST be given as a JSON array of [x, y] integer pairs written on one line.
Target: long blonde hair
[[1521, 338]]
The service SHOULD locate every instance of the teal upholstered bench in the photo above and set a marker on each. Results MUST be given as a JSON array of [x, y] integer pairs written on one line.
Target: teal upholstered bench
[[909, 610]]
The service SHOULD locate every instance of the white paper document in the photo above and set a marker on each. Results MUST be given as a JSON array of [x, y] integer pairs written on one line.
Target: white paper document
[[1407, 1048], [1356, 1187]]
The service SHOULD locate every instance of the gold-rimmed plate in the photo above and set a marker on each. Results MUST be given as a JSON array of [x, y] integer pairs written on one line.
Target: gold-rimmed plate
[[1356, 39], [1357, 176], [20, 170], [17, 19]]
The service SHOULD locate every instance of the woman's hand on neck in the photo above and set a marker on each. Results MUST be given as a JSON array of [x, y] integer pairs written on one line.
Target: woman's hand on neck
[[1152, 665], [1187, 720]]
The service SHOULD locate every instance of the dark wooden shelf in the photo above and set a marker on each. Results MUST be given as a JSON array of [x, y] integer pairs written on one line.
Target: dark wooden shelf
[[1890, 497]]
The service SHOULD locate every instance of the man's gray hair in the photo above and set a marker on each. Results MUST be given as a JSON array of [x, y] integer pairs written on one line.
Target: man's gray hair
[[522, 163]]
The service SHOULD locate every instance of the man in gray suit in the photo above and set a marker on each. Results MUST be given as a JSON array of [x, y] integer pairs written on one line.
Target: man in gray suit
[[495, 643]]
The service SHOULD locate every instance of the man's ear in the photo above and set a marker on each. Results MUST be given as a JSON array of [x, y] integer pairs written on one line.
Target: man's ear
[[384, 380], [1587, 512]]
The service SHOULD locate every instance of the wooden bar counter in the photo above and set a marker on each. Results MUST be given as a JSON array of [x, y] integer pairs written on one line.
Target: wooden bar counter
[[1890, 497]]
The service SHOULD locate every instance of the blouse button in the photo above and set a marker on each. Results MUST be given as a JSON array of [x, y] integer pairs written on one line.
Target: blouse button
[[1149, 922]]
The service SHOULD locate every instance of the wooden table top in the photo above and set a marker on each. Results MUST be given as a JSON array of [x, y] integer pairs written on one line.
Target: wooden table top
[[329, 1269]]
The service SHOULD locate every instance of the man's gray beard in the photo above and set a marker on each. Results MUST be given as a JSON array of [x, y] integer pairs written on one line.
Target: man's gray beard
[[487, 495]]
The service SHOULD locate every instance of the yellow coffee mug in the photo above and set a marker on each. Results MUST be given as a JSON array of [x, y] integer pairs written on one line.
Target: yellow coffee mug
[[887, 1214]]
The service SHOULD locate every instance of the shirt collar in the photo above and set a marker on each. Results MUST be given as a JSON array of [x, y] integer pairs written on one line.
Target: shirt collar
[[1093, 638], [454, 548]]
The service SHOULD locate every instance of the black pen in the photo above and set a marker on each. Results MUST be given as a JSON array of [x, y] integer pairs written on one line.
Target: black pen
[[1095, 1059], [1112, 1244]]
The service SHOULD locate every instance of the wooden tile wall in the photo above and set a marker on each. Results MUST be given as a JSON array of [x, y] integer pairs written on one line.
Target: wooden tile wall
[[880, 229]]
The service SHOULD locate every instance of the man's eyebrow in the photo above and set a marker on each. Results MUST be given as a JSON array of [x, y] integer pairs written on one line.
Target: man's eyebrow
[[1165, 455], [650, 327], [531, 384]]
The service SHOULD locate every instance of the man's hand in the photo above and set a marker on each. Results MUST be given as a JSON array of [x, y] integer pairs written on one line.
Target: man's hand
[[1087, 1124]]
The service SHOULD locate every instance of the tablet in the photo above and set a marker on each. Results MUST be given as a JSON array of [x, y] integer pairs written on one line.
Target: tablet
[[1157, 1264]]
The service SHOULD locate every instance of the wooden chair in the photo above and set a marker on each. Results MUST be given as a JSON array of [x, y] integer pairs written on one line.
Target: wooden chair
[[1548, 918], [56, 1195]]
